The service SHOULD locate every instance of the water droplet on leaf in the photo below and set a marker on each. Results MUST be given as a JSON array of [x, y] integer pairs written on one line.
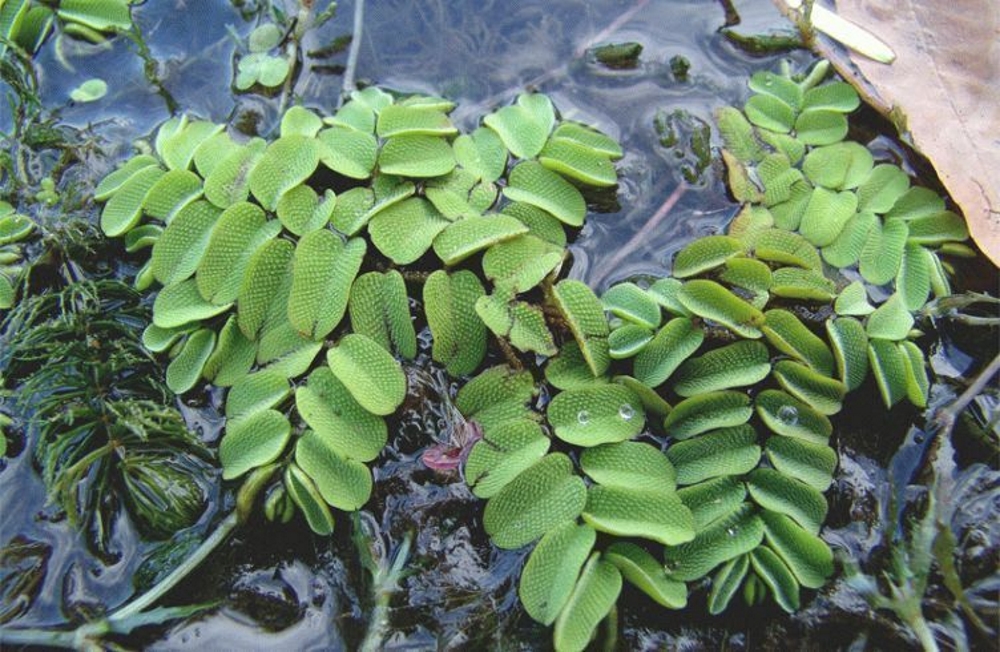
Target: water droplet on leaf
[[732, 531], [583, 417], [788, 415], [626, 411]]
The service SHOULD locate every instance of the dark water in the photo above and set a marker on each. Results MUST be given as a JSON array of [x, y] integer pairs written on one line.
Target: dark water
[[281, 588]]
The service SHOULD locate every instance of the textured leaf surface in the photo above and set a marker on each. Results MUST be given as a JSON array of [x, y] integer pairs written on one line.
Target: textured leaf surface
[[627, 340], [803, 460], [805, 554], [578, 162], [344, 483], [891, 320], [733, 365], [405, 231], [826, 214], [416, 156], [788, 334], [301, 211], [705, 412], [521, 263], [265, 286], [232, 358], [396, 119], [181, 304], [305, 494], [889, 366], [185, 370], [729, 451], [369, 373], [629, 464], [255, 393], [705, 254], [481, 153], [533, 184], [585, 318], [459, 334], [110, 184], [726, 582], [677, 340], [777, 576], [349, 152], [592, 599], [180, 247], [714, 499], [788, 416], [286, 163], [840, 166], [882, 254], [229, 181], [594, 415], [252, 441], [712, 301], [338, 419], [643, 571], [508, 448], [725, 539], [552, 569], [824, 394], [630, 302], [521, 322], [779, 493], [658, 515], [525, 126], [539, 499], [787, 248], [323, 270], [124, 210], [473, 234], [171, 193], [380, 308], [239, 232]]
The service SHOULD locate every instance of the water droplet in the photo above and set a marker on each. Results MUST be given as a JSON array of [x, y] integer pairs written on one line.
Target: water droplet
[[583, 417], [626, 411], [788, 415], [768, 79], [671, 566], [732, 531]]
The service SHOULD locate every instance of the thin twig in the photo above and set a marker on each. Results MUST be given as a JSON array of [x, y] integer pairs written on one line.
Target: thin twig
[[641, 235], [352, 55], [946, 417]]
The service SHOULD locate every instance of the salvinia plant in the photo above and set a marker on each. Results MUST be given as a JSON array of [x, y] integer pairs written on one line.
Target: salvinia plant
[[689, 418]]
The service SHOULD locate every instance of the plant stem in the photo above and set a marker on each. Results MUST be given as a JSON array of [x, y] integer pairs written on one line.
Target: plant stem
[[923, 632], [147, 599], [352, 55], [945, 418], [384, 585]]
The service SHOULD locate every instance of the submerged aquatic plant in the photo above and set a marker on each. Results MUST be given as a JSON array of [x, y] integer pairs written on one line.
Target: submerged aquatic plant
[[106, 438]]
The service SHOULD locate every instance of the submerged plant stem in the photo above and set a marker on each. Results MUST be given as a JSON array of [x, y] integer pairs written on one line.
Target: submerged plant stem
[[384, 585], [945, 418], [352, 55]]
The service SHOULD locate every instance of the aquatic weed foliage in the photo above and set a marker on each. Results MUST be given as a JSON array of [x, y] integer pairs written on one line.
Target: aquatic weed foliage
[[28, 23], [106, 437], [267, 274]]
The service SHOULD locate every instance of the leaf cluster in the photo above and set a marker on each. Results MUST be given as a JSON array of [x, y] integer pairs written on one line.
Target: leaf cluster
[[28, 23], [262, 268]]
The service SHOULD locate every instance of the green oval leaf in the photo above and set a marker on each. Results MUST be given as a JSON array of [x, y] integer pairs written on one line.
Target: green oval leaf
[[181, 304], [820, 127], [631, 303], [734, 365], [770, 112], [643, 571], [594, 415], [369, 373], [826, 214], [323, 269], [882, 189], [803, 460], [790, 417], [506, 450], [824, 394], [171, 193], [787, 248], [468, 236], [124, 210], [705, 412], [889, 364], [185, 370], [776, 575], [592, 599], [627, 340], [239, 232], [338, 419], [286, 163], [349, 152], [380, 308], [552, 569], [807, 555], [780, 493], [524, 127], [882, 254], [891, 320], [533, 184], [705, 254], [585, 317], [416, 156], [397, 120], [714, 499], [840, 166], [711, 301], [459, 335], [404, 231], [578, 162], [117, 178], [521, 263], [305, 494], [726, 582], [252, 441], [229, 181], [539, 499], [725, 539], [179, 250], [482, 153], [232, 358], [254, 393], [343, 483], [788, 334], [677, 340], [265, 287], [729, 451], [629, 464]]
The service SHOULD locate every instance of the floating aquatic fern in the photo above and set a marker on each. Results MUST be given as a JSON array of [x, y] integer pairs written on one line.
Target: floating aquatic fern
[[262, 267]]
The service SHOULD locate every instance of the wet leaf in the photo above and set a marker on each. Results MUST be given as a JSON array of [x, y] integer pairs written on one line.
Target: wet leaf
[[552, 569], [790, 417], [705, 412], [113, 182], [627, 340], [177, 151], [405, 230], [569, 369], [539, 499], [370, 374], [578, 162], [592, 599], [643, 571], [265, 286], [286, 163], [726, 582], [238, 233], [180, 248], [594, 415], [766, 82], [776, 575], [471, 235], [715, 499], [889, 366], [725, 539], [181, 304], [89, 91], [124, 210], [891, 320], [416, 156], [232, 358], [822, 393], [787, 248]]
